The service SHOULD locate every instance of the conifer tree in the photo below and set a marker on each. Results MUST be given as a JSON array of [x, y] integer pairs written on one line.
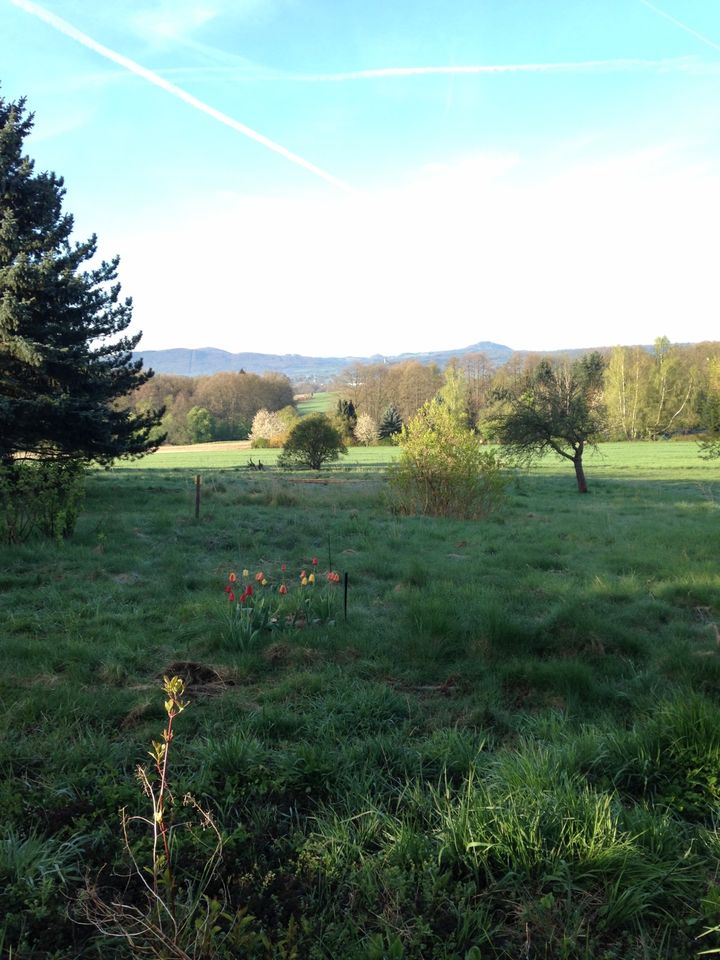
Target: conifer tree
[[64, 361], [391, 423], [347, 418]]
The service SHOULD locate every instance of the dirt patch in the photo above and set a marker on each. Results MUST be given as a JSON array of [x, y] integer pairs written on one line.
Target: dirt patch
[[38, 680], [136, 715], [227, 445], [284, 653], [199, 678], [127, 578], [445, 689]]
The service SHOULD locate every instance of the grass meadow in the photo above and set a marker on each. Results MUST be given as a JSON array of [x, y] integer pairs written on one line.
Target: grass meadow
[[321, 402], [509, 749]]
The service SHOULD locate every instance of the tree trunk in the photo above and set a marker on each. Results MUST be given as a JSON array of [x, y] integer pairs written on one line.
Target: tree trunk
[[580, 473]]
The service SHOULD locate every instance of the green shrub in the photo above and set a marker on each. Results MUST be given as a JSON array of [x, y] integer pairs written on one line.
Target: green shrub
[[39, 496], [311, 443], [442, 470]]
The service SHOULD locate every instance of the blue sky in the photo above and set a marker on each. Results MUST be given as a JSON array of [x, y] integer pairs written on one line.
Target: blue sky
[[333, 177]]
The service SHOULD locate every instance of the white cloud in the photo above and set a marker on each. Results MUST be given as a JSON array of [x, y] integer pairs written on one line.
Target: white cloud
[[172, 19], [619, 252], [178, 21]]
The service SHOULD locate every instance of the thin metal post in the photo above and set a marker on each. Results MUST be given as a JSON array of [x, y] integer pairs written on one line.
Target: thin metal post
[[197, 497], [345, 597]]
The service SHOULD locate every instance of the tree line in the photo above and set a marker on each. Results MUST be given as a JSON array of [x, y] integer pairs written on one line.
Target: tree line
[[218, 407], [645, 394]]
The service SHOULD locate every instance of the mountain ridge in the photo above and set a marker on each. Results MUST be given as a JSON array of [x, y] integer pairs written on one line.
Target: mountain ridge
[[205, 361]]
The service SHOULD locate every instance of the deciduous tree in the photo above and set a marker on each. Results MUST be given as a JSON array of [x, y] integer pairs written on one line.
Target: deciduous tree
[[627, 380], [268, 429], [366, 431], [556, 407], [672, 384], [313, 441], [200, 425]]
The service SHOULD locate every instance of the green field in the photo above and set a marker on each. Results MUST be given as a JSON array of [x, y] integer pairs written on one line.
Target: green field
[[667, 461], [509, 749], [321, 402], [228, 457]]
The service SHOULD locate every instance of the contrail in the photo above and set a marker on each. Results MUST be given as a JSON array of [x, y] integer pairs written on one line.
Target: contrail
[[580, 66], [681, 25], [470, 69], [70, 31]]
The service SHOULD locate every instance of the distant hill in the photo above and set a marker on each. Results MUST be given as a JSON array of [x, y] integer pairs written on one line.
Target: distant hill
[[207, 360]]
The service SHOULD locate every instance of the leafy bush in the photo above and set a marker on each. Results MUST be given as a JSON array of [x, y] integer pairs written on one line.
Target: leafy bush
[[442, 470], [312, 442], [40, 496]]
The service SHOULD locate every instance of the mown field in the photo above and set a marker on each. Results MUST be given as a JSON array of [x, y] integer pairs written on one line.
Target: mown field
[[320, 402], [665, 460], [510, 748]]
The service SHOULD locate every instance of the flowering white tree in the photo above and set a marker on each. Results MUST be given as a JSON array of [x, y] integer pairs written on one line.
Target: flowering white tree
[[268, 428], [366, 430]]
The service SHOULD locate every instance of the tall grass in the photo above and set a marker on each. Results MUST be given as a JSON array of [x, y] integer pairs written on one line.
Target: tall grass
[[509, 748]]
